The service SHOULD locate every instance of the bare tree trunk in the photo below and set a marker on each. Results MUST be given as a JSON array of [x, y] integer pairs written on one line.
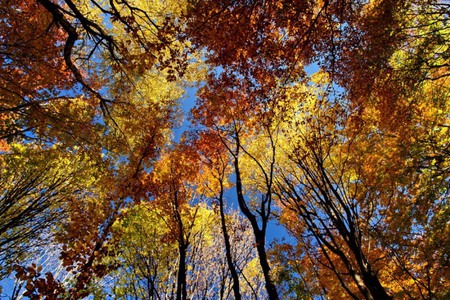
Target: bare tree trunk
[[226, 237], [181, 277]]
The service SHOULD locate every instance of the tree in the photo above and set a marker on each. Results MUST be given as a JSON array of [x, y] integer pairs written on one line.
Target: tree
[[215, 170], [51, 103], [353, 160], [233, 119], [148, 265], [317, 192], [341, 189], [35, 189]]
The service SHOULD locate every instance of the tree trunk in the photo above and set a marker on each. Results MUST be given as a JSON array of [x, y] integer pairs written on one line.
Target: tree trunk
[[260, 246], [181, 277], [260, 235], [226, 237]]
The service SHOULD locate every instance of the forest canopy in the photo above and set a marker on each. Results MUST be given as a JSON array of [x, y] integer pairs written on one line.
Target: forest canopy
[[313, 161]]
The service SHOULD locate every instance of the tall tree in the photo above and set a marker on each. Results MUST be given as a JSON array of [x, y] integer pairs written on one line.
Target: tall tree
[[342, 187], [233, 118], [215, 161]]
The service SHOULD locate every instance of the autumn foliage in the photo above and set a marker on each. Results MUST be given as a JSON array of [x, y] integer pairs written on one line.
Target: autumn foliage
[[313, 161]]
